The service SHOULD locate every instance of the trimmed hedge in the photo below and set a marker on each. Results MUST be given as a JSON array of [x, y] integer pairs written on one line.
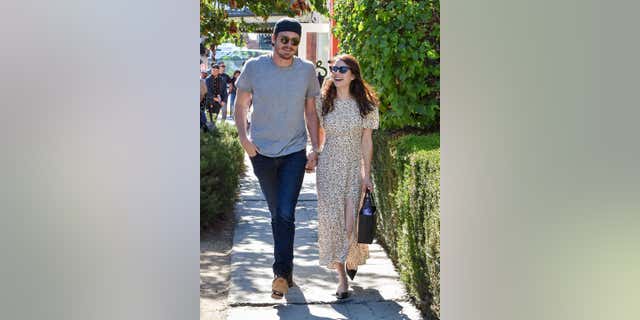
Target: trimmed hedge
[[406, 171], [221, 163], [398, 45]]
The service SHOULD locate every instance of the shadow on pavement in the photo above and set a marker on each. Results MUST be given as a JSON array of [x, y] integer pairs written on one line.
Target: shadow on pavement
[[349, 308]]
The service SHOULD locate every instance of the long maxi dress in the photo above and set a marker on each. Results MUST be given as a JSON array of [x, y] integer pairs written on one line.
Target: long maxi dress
[[338, 178]]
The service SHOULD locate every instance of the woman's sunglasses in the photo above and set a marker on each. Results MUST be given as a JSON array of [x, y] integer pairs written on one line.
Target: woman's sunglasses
[[285, 40], [342, 69]]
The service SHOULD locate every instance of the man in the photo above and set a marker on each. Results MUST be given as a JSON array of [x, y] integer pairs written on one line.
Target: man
[[216, 93], [225, 81], [282, 88]]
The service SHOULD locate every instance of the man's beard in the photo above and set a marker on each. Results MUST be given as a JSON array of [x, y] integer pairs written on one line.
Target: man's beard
[[285, 55]]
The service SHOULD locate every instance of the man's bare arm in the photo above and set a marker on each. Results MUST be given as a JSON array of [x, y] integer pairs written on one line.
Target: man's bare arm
[[243, 102], [312, 122]]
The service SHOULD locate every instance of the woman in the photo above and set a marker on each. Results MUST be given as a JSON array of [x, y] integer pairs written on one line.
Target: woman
[[348, 114], [232, 92]]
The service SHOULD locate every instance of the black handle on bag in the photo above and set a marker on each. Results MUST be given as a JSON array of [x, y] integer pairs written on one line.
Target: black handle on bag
[[368, 196], [368, 205]]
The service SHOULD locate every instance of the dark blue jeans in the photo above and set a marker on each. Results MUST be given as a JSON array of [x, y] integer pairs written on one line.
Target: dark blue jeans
[[280, 180]]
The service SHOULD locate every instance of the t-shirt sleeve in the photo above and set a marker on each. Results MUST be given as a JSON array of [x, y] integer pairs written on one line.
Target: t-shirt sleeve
[[372, 119], [313, 86], [244, 81]]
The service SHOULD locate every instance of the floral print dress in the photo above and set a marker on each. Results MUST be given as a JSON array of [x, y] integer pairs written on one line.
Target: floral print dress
[[338, 178]]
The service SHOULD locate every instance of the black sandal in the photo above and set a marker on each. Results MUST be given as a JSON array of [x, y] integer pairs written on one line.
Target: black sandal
[[351, 273], [342, 295]]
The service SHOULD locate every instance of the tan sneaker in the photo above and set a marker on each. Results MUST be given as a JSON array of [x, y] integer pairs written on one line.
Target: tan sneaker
[[279, 288]]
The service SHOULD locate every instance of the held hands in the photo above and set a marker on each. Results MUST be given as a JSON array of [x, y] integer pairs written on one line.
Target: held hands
[[367, 184], [312, 161]]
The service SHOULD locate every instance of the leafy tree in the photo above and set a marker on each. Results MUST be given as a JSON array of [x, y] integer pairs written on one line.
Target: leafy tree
[[213, 22], [216, 25], [398, 45]]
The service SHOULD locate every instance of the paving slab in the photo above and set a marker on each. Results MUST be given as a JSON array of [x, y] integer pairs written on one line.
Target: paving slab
[[390, 310]]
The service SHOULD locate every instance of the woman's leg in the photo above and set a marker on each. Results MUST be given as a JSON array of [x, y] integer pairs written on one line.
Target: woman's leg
[[343, 283], [349, 218]]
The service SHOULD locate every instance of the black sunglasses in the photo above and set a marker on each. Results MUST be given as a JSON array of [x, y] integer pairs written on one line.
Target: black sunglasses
[[342, 69], [285, 40]]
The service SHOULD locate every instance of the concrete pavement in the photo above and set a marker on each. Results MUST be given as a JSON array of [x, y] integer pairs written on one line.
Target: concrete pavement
[[376, 292]]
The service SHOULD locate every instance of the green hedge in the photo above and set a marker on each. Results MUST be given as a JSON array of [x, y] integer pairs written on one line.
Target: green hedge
[[398, 45], [406, 172], [221, 163]]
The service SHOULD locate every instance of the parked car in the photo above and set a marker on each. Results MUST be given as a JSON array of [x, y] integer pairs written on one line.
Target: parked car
[[234, 59]]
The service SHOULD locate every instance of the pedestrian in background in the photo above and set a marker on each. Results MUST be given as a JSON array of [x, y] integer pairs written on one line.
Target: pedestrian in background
[[232, 92], [203, 95], [203, 87], [216, 94], [226, 79]]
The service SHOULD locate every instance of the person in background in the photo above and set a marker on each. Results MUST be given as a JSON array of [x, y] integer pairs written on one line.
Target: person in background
[[232, 93], [226, 80], [203, 95], [216, 93], [203, 87]]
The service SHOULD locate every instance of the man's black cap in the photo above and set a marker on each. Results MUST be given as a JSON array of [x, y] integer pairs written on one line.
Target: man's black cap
[[288, 24]]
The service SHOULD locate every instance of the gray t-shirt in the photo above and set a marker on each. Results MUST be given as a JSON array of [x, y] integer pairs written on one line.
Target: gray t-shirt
[[279, 94]]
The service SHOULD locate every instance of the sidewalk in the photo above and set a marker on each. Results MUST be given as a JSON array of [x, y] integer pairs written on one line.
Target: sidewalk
[[376, 292]]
